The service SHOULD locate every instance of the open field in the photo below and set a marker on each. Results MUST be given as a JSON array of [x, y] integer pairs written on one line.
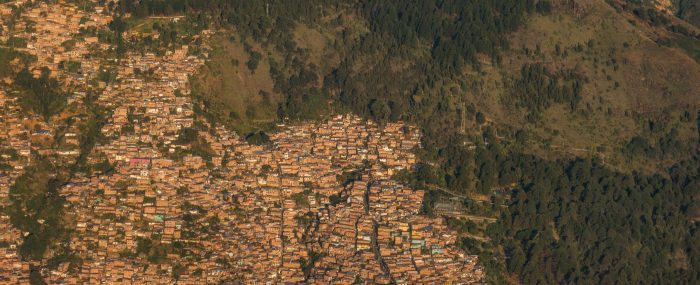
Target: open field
[[234, 91]]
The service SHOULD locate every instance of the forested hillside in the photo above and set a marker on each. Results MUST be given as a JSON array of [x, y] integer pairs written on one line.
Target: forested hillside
[[574, 123], [578, 222]]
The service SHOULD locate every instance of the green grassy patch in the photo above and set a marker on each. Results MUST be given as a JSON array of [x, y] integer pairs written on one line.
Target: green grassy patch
[[236, 95]]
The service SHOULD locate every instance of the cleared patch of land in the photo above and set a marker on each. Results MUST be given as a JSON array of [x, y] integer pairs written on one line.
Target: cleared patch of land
[[632, 82], [241, 97]]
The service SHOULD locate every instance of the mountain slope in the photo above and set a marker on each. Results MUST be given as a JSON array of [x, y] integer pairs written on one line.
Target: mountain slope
[[633, 85], [569, 129]]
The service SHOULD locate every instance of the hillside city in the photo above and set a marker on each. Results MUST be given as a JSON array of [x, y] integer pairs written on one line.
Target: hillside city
[[171, 198]]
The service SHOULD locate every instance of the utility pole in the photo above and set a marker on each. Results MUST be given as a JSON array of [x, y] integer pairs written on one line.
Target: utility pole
[[462, 122]]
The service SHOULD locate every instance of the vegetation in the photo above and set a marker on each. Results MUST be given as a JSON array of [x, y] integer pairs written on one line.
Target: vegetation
[[396, 28], [503, 77], [537, 89], [258, 138], [301, 200], [690, 11], [36, 209], [574, 221], [577, 222], [436, 47], [197, 145], [40, 95], [6, 57], [231, 93], [91, 134]]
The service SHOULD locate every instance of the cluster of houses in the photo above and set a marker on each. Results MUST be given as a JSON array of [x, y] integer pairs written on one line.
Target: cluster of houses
[[173, 199], [12, 269], [57, 35]]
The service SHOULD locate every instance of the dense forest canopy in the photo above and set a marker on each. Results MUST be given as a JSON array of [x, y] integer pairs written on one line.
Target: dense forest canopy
[[537, 88], [577, 222], [455, 30]]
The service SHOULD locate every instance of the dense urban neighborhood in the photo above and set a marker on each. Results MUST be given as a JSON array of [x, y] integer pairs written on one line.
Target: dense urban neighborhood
[[150, 192], [349, 142]]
